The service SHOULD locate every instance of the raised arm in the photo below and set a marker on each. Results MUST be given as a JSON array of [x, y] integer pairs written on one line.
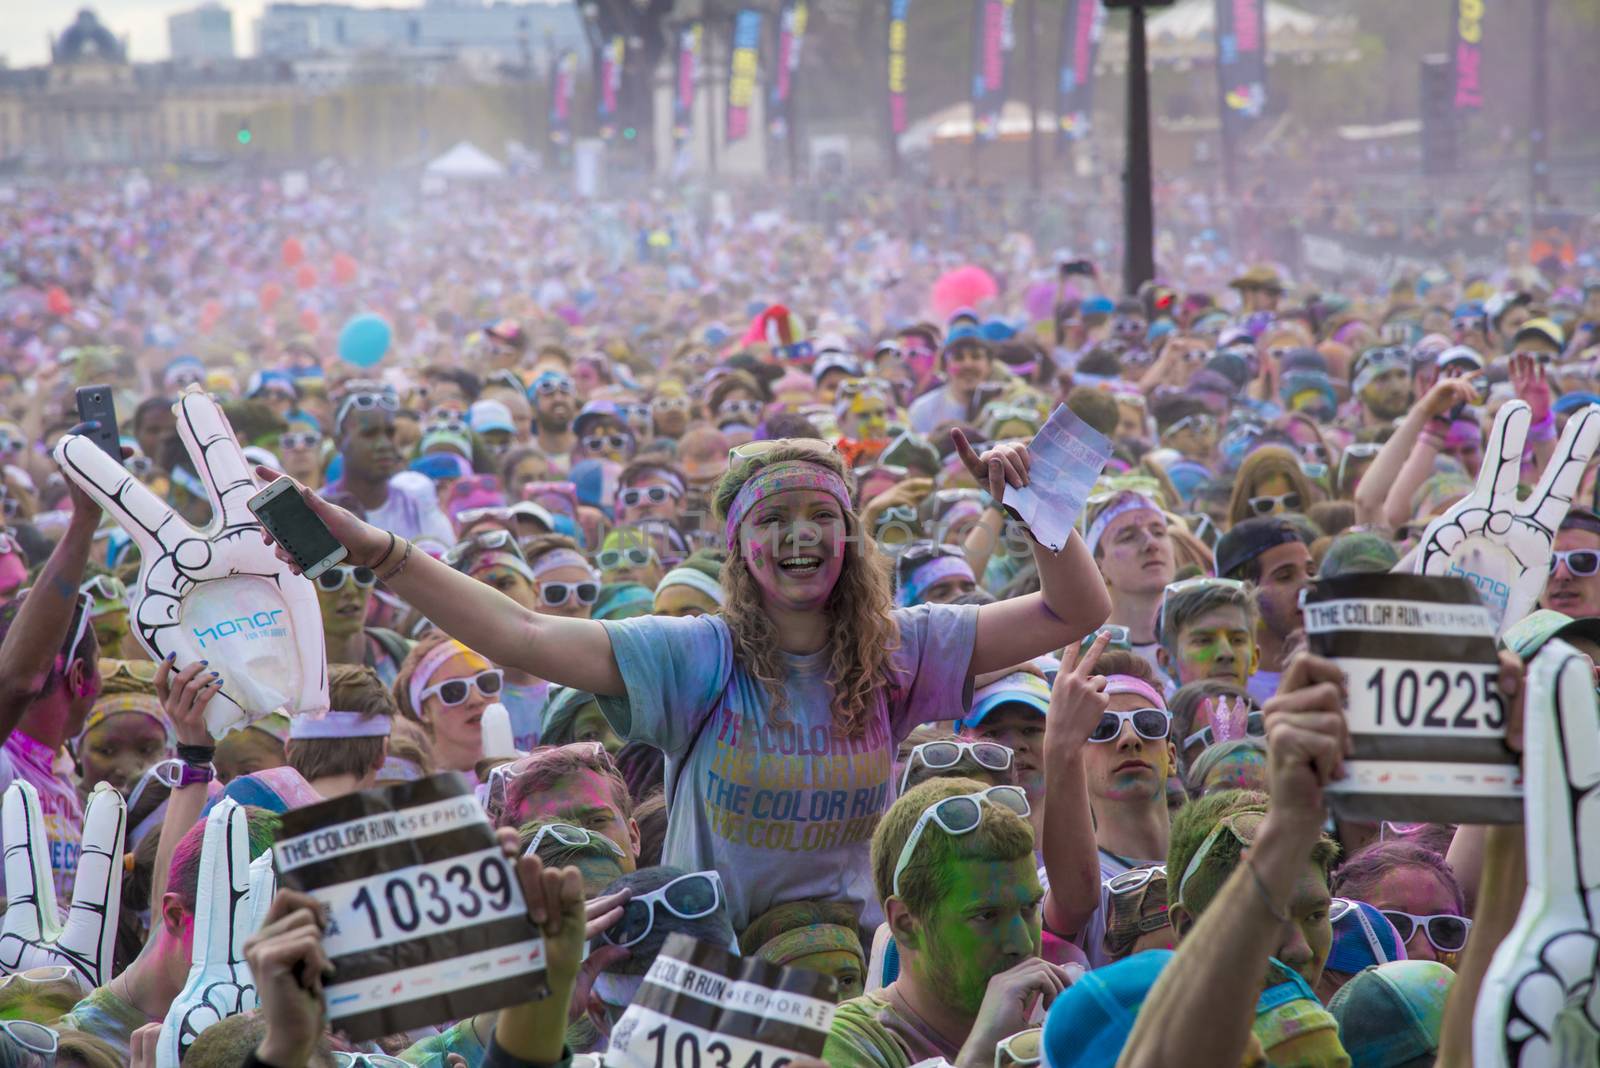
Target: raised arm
[[570, 652], [1385, 470], [36, 635], [1201, 1009], [1070, 855], [1072, 598]]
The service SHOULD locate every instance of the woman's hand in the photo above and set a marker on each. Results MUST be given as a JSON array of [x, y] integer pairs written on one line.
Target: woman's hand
[[184, 696], [366, 544], [1445, 395], [1005, 464], [1077, 701], [1528, 376]]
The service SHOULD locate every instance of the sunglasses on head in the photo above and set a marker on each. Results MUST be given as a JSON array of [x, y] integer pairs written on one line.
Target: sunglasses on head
[[1447, 934], [452, 692], [1135, 879], [336, 578], [688, 897], [569, 835], [1151, 724], [637, 495], [937, 756], [1581, 562], [957, 816], [366, 402], [602, 442], [1267, 505], [1199, 422], [852, 387], [556, 594], [296, 440], [31, 1038], [612, 559], [482, 542]]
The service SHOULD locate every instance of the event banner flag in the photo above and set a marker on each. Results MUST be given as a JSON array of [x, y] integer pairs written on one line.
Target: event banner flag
[[563, 81], [687, 70], [610, 85], [791, 37], [1081, 22], [993, 39], [742, 68], [1466, 54], [1241, 62], [898, 10]]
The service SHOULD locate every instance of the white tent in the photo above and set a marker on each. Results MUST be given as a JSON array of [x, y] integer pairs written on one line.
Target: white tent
[[466, 161]]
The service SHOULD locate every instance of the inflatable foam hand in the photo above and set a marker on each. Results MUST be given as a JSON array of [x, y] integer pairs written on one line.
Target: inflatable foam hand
[[263, 886], [1501, 544], [32, 933], [218, 593], [1539, 1006], [219, 983]]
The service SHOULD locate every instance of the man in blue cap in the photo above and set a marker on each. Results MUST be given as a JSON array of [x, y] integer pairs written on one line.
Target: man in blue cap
[[966, 364]]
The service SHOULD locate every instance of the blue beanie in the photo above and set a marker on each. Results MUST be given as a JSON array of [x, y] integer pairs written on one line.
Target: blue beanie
[[1091, 1020], [1358, 944]]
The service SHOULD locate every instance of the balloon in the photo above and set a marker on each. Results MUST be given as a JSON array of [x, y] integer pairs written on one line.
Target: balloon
[[57, 302], [271, 293], [964, 287], [305, 276], [344, 268], [293, 251], [310, 321], [364, 340]]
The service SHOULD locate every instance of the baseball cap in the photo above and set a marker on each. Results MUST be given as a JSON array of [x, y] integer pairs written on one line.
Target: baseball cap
[[1390, 1015], [1568, 403], [1533, 631], [1019, 687], [1249, 539], [834, 361], [1542, 328], [1091, 1020], [1362, 938], [961, 332], [488, 415], [1460, 354], [1294, 1029]]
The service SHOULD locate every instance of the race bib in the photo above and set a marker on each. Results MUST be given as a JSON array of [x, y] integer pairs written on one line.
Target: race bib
[[426, 920], [1427, 721], [700, 1005]]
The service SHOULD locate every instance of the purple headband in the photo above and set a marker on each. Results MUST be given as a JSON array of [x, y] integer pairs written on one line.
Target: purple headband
[[780, 478], [936, 570]]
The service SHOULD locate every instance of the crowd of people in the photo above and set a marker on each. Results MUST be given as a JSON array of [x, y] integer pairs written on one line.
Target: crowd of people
[[687, 542]]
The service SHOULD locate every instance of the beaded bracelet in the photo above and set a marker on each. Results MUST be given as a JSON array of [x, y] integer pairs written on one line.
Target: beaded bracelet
[[405, 558]]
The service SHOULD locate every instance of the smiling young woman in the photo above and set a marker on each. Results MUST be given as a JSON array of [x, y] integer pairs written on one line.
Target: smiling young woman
[[779, 718]]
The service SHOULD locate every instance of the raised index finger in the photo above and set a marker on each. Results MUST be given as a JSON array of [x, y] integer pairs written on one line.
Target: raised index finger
[[1085, 666]]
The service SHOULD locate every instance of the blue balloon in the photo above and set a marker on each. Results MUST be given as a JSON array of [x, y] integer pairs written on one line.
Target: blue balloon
[[364, 340]]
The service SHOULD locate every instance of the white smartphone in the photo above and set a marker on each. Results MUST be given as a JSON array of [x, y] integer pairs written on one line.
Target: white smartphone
[[292, 524]]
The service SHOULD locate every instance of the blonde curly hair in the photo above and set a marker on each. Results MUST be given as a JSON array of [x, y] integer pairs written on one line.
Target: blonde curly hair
[[861, 633]]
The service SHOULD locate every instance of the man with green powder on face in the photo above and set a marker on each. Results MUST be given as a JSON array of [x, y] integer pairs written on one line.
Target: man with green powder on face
[[953, 864]]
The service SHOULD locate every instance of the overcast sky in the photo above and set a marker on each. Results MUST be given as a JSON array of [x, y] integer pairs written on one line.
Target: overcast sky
[[27, 25]]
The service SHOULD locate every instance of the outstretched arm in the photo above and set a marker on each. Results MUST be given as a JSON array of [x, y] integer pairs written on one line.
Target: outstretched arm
[[1076, 701], [571, 652], [36, 635]]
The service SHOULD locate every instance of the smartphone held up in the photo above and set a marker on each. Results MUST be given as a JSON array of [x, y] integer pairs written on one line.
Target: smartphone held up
[[284, 513]]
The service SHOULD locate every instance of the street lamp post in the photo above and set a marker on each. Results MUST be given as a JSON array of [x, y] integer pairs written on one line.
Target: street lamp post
[[1138, 211]]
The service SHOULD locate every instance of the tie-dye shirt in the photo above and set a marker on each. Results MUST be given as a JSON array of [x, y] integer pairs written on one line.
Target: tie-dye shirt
[[782, 806], [21, 757]]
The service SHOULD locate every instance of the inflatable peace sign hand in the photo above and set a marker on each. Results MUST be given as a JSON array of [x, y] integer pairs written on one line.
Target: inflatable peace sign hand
[[219, 983], [32, 933], [1498, 542], [1539, 1006], [218, 593]]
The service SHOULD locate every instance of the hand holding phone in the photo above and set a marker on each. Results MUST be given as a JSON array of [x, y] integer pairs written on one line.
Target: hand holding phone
[[292, 524], [96, 405]]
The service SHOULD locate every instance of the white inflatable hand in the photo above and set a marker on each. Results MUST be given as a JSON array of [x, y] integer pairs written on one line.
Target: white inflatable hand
[[1501, 544], [218, 593], [219, 983], [1539, 1006], [32, 933]]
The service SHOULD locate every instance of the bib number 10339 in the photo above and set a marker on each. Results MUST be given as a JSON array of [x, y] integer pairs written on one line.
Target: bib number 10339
[[1427, 720]]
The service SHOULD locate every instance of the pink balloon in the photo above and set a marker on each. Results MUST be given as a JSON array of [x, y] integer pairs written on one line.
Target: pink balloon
[[964, 287]]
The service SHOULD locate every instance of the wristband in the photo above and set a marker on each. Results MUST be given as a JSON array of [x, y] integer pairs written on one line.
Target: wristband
[[1544, 430], [388, 550], [405, 558], [196, 754]]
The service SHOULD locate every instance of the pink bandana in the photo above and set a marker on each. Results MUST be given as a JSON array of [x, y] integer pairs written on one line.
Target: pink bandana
[[1133, 684], [780, 478]]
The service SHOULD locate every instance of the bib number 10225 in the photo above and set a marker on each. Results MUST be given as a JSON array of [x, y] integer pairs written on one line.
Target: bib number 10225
[[1447, 697]]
